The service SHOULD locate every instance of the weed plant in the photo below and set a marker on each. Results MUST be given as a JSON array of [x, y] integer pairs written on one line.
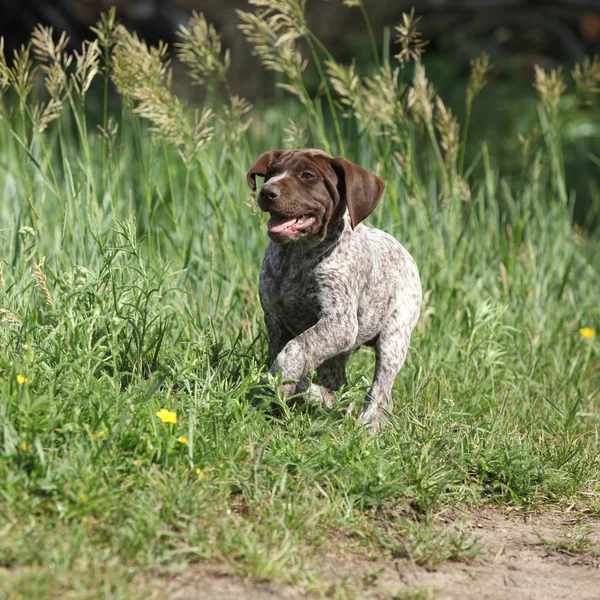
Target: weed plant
[[133, 437]]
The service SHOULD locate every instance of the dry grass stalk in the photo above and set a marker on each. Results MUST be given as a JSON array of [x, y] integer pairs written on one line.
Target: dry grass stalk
[[4, 78], [20, 75], [9, 318], [87, 65], [109, 133], [200, 50], [527, 141], [385, 103], [550, 87], [377, 102], [236, 120], [345, 82], [42, 284], [421, 95], [105, 29], [587, 77], [142, 75], [296, 134], [480, 67], [409, 38], [448, 129], [273, 31], [54, 64]]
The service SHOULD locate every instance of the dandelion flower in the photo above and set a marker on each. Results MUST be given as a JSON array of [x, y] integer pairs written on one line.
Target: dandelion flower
[[99, 434], [587, 332], [200, 473], [21, 379], [83, 498], [25, 446], [167, 416], [183, 440]]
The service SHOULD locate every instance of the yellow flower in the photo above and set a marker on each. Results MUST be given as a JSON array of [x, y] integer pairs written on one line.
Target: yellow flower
[[200, 473], [167, 416], [25, 446], [587, 332], [21, 379], [183, 440], [83, 498], [99, 434]]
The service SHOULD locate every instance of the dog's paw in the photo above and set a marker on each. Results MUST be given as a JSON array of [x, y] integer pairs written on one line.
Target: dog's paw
[[320, 394], [372, 417], [290, 362]]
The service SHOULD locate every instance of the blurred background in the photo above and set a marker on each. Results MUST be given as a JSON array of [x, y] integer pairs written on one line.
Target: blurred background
[[517, 35]]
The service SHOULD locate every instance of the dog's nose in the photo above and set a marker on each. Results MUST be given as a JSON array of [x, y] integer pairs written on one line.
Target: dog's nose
[[270, 193], [267, 195]]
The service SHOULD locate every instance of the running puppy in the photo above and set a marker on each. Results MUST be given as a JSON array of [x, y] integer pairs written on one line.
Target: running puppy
[[328, 284]]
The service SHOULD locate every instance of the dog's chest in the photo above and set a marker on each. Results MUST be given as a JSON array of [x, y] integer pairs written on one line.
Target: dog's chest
[[290, 292]]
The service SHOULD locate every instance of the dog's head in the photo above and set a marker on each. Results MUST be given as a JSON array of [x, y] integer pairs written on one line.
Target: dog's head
[[305, 191]]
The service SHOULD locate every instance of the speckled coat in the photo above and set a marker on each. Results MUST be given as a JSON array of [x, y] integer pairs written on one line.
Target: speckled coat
[[325, 298]]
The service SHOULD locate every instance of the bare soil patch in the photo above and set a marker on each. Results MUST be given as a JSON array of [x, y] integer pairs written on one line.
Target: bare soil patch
[[514, 563]]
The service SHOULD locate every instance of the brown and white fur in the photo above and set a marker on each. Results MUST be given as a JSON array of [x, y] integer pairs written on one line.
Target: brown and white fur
[[329, 284]]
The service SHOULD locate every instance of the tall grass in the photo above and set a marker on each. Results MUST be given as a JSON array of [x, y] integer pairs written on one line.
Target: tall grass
[[129, 257]]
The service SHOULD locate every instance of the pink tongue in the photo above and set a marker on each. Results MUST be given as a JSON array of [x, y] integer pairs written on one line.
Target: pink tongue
[[278, 224]]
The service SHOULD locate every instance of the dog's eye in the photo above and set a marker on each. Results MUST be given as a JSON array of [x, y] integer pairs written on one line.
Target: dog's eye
[[307, 175], [268, 175]]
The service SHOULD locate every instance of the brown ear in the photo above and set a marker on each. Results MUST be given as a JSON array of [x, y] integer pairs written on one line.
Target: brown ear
[[260, 166], [360, 189]]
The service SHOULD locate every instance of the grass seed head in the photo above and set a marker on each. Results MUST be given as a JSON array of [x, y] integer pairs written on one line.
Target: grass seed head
[[409, 38], [22, 71], [105, 30], [385, 99], [273, 31], [587, 77], [345, 82], [550, 86], [4, 70], [527, 141], [109, 133], [44, 48], [296, 134], [42, 283], [480, 67], [236, 120], [55, 62], [87, 65], [448, 129], [200, 50], [142, 75], [44, 113], [421, 95]]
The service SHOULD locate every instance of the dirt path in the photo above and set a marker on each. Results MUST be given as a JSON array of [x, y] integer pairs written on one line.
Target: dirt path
[[515, 563]]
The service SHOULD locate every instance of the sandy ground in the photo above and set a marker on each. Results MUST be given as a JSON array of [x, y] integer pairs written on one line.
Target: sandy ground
[[514, 564]]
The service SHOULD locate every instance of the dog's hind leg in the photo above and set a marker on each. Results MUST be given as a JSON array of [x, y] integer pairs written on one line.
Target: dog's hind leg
[[390, 350]]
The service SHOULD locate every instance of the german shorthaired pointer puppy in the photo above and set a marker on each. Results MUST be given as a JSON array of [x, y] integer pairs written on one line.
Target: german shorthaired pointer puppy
[[328, 284]]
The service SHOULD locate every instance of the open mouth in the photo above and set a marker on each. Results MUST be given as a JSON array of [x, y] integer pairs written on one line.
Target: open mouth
[[288, 225]]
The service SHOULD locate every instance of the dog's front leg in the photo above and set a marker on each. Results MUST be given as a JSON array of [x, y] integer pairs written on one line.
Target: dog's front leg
[[332, 335]]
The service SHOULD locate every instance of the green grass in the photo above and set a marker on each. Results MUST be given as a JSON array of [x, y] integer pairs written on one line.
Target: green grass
[[147, 299]]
